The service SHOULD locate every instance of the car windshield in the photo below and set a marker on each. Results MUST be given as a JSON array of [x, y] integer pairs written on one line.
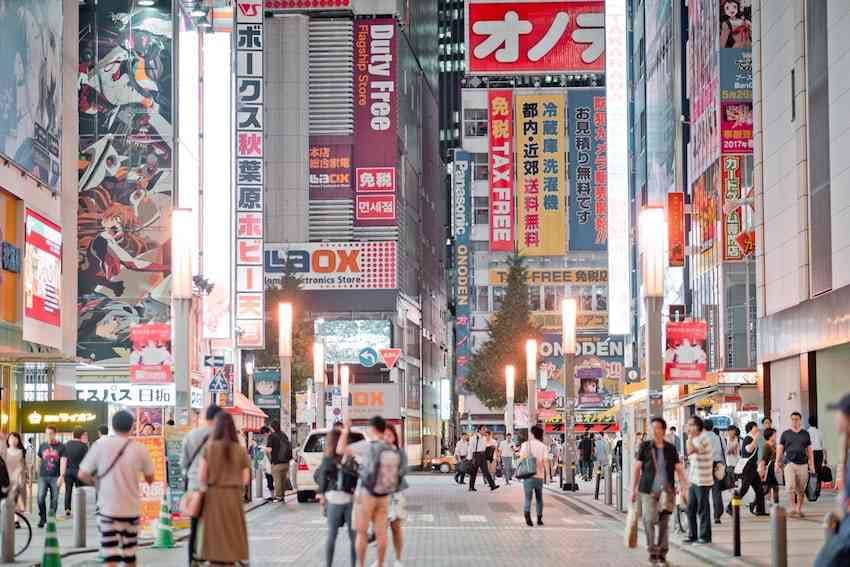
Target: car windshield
[[316, 442]]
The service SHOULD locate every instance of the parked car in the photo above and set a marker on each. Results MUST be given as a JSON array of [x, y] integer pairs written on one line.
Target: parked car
[[309, 459], [443, 464]]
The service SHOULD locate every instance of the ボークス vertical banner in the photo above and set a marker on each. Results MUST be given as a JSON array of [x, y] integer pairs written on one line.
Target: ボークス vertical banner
[[588, 170], [685, 357], [500, 111], [375, 122], [676, 228], [541, 150], [250, 299], [463, 286]]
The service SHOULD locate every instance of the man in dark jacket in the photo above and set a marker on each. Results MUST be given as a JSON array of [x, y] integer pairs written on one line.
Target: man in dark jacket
[[75, 450], [280, 453]]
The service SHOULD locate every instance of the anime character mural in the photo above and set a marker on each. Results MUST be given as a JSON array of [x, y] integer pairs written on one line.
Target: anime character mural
[[125, 175]]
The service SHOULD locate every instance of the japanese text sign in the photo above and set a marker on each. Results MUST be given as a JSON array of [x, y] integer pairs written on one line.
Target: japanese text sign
[[685, 357], [42, 279], [676, 228], [127, 393], [733, 222], [736, 127], [151, 359], [463, 273], [588, 170], [334, 265], [330, 167], [500, 110], [544, 36], [541, 170]]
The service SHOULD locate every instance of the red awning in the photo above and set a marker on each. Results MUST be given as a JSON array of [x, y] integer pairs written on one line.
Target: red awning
[[246, 407]]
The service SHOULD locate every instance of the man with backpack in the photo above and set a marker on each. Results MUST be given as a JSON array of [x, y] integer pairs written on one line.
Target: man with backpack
[[380, 475], [279, 450], [193, 447]]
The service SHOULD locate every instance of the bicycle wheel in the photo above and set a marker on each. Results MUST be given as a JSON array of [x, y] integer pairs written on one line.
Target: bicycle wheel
[[23, 533]]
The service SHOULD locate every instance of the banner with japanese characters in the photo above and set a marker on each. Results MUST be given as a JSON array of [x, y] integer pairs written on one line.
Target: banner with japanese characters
[[541, 169], [127, 393], [375, 122], [535, 37], [500, 117], [684, 356], [731, 172], [463, 272], [676, 229], [588, 170], [150, 358], [330, 167], [250, 302]]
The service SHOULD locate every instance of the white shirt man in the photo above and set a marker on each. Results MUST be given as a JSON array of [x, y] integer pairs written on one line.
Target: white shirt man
[[506, 451]]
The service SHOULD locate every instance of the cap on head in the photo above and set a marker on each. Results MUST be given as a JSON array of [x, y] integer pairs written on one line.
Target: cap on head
[[842, 405]]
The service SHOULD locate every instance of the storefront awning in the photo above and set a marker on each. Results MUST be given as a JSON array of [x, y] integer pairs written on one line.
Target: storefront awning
[[700, 394], [248, 416]]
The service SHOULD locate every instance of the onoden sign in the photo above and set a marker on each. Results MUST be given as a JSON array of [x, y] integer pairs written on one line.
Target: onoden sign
[[333, 265]]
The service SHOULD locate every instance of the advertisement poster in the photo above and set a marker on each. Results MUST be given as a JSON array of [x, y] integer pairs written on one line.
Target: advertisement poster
[[344, 339], [685, 357], [547, 404], [330, 167], [375, 120], [589, 376], [267, 388], [676, 229], [736, 127], [31, 87], [125, 175], [736, 74], [152, 493], [735, 24], [463, 282], [150, 358], [589, 170], [500, 117], [42, 272], [334, 265], [733, 220], [535, 37], [541, 175], [174, 438], [599, 367], [149, 422]]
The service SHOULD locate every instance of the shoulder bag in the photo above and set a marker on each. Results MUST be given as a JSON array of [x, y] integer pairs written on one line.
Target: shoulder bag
[[117, 458], [527, 467], [192, 502]]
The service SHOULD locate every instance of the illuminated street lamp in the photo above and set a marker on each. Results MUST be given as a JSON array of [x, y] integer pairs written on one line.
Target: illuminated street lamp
[[344, 377], [284, 351], [510, 381], [653, 231], [319, 378], [531, 380], [568, 346]]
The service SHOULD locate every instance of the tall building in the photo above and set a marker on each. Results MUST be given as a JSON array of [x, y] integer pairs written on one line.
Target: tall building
[[451, 62], [802, 211]]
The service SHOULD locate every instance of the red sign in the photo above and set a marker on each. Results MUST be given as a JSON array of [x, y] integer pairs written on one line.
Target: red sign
[[500, 107], [376, 179], [330, 167], [150, 359], [733, 221], [390, 356], [533, 37], [301, 5], [42, 270], [375, 207], [676, 228], [736, 127], [685, 357]]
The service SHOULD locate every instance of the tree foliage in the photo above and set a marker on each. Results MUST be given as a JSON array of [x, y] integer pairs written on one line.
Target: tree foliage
[[508, 331]]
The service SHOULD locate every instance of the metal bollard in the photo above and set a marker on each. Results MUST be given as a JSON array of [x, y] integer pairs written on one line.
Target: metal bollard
[[830, 526], [259, 479], [778, 537], [598, 480], [736, 524], [79, 516], [7, 514], [618, 478], [609, 492]]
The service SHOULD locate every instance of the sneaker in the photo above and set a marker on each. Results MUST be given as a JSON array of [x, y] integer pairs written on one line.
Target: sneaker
[[717, 521], [494, 487], [688, 541], [702, 541], [41, 523]]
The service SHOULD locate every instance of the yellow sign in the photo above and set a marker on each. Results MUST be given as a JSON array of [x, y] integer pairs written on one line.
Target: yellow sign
[[578, 276], [541, 174]]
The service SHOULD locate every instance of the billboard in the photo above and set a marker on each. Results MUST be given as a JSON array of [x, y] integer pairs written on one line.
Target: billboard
[[538, 276], [344, 339], [588, 170], [267, 388], [736, 127], [500, 118], [463, 272], [42, 271], [685, 357], [330, 167], [31, 87], [375, 120], [736, 74], [249, 167], [334, 265], [541, 175], [127, 393], [599, 367], [125, 176], [676, 229], [368, 400], [733, 218], [151, 359], [534, 37]]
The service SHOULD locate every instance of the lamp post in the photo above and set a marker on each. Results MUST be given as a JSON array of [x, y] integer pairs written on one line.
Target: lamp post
[[181, 308], [319, 378], [531, 380], [344, 377], [568, 346], [284, 350], [653, 231], [510, 381]]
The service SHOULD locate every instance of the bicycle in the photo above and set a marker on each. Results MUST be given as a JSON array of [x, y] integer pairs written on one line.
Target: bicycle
[[23, 533]]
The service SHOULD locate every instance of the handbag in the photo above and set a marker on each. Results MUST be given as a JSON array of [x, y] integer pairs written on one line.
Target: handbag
[[813, 488], [527, 467], [631, 534], [826, 475], [192, 503]]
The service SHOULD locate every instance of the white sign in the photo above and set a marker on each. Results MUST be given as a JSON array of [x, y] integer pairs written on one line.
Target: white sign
[[197, 399], [334, 265], [127, 393], [368, 400]]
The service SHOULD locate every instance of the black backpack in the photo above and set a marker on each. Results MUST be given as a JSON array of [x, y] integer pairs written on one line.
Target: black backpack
[[284, 450]]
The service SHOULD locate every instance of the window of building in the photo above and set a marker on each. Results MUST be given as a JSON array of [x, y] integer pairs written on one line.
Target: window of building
[[498, 296], [601, 299], [480, 168], [552, 296], [585, 299], [474, 122], [534, 298], [481, 210], [482, 298]]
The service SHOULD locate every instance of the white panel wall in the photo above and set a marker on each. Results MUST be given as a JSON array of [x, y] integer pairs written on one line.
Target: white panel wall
[[839, 132]]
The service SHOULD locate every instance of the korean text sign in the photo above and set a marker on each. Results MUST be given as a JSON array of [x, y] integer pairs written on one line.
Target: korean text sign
[[685, 357], [500, 111], [534, 37], [541, 170], [588, 170]]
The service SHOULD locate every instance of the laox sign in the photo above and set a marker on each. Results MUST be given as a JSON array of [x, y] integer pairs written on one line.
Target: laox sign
[[323, 261]]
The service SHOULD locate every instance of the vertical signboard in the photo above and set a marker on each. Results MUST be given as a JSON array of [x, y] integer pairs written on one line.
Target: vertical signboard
[[151, 359], [736, 78], [733, 220], [541, 173], [461, 227], [500, 110], [125, 174], [375, 122], [42, 281], [676, 228], [250, 298], [588, 170]]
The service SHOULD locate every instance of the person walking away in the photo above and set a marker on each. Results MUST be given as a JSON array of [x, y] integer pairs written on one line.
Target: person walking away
[[795, 449], [836, 553], [478, 446], [506, 454], [336, 494], [398, 503], [674, 439], [653, 479], [490, 452], [116, 462], [461, 455], [533, 486], [585, 449], [16, 466], [700, 480], [51, 455], [818, 452], [602, 454], [750, 477], [190, 461], [265, 431], [225, 470], [767, 472], [75, 451], [719, 467], [279, 450]]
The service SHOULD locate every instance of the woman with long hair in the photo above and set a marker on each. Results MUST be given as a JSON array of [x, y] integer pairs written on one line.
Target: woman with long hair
[[336, 489], [16, 464], [224, 470], [398, 503]]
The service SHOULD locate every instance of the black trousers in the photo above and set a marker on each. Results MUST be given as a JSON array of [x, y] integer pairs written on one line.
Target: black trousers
[[818, 455], [71, 481], [193, 534], [479, 462], [717, 499], [460, 476], [699, 509], [752, 479]]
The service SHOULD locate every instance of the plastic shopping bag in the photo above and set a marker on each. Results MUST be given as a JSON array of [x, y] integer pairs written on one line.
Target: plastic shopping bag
[[632, 519]]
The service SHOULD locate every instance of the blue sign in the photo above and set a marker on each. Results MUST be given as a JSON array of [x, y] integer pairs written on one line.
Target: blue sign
[[218, 383], [588, 170], [368, 357], [462, 282]]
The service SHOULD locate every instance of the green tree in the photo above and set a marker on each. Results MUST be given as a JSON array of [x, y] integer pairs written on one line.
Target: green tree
[[508, 331]]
